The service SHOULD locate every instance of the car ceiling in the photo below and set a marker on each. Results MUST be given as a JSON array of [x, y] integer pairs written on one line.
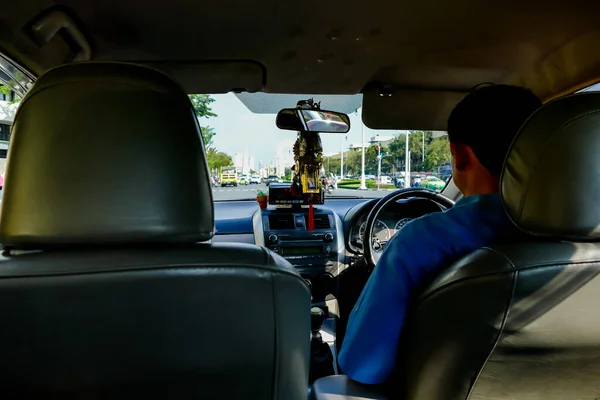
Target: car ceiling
[[412, 60]]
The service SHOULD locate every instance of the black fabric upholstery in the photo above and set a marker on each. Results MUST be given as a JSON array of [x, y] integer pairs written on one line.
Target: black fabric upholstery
[[107, 181], [516, 321], [205, 321], [549, 183], [105, 153]]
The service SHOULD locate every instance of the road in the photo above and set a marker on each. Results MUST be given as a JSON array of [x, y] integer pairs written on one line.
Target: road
[[248, 192]]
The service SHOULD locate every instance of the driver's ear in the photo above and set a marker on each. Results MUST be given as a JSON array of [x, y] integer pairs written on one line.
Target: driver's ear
[[462, 155]]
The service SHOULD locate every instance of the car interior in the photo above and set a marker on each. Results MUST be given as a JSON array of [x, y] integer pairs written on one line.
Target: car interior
[[122, 277]]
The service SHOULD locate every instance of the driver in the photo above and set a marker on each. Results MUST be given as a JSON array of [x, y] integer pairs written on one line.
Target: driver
[[480, 130]]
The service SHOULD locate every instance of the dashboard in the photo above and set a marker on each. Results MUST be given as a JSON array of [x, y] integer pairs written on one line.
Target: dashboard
[[337, 240]]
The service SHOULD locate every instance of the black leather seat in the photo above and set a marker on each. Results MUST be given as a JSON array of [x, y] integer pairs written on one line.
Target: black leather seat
[[107, 182], [518, 321]]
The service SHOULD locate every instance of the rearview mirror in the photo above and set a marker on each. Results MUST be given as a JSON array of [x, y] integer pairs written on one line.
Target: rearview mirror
[[298, 119]]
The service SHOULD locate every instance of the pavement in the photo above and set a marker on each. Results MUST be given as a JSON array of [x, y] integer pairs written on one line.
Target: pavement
[[248, 192]]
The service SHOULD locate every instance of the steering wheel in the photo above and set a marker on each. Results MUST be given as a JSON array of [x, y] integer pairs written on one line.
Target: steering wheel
[[372, 255]]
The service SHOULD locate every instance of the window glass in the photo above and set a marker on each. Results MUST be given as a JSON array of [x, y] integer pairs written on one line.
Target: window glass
[[242, 141], [14, 83]]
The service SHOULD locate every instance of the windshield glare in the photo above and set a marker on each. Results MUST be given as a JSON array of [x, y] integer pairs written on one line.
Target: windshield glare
[[246, 151]]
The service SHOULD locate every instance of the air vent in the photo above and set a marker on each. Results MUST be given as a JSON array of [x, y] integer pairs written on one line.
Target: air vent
[[322, 221], [281, 221]]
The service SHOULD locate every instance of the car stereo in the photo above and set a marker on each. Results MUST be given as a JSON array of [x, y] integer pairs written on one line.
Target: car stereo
[[286, 233]]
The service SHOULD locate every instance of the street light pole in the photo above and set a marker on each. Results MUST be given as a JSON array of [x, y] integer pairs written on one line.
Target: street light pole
[[407, 165], [378, 161], [423, 160], [342, 160], [363, 183]]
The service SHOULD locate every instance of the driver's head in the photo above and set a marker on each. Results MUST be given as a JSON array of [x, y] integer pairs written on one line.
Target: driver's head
[[481, 128]]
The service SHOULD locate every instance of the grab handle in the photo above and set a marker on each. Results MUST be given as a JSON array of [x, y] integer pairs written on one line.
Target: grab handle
[[49, 25]]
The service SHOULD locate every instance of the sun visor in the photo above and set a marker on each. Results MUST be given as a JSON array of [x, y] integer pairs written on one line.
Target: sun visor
[[271, 103], [211, 77], [409, 108]]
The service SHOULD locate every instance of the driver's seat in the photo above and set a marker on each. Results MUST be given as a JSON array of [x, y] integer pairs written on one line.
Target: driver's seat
[[518, 321]]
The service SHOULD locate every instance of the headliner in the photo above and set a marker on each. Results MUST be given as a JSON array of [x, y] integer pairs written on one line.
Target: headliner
[[331, 48]]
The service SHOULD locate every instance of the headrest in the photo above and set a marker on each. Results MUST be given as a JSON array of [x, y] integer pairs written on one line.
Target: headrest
[[105, 154], [550, 184]]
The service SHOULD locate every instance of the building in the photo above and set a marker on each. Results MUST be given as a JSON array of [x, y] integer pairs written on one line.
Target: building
[[356, 147], [243, 163], [381, 139]]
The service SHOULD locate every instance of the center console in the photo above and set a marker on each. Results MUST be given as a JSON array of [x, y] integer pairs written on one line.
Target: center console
[[317, 254], [286, 234]]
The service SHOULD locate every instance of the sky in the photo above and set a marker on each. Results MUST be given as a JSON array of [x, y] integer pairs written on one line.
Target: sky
[[238, 129]]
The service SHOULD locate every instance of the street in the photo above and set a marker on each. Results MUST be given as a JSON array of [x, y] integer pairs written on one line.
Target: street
[[248, 192]]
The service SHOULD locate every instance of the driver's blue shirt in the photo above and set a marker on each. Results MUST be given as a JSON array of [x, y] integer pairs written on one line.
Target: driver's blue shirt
[[419, 251]]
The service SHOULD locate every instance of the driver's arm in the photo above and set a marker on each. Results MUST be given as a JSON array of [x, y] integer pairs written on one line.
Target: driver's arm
[[368, 354]]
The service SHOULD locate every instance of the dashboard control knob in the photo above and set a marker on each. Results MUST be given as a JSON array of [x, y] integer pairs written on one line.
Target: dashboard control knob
[[328, 237], [273, 238]]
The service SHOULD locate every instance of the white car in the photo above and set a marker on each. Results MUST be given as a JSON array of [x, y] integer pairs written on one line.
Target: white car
[[255, 179], [385, 180]]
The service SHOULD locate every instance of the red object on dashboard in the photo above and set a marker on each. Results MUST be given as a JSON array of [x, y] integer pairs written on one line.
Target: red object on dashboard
[[310, 225]]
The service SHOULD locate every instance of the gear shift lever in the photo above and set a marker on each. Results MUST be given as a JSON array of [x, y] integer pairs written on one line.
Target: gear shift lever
[[317, 316], [321, 358]]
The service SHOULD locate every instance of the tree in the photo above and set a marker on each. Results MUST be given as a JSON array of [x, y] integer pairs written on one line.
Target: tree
[[208, 136], [398, 149], [7, 90], [332, 164], [437, 153], [217, 159], [371, 162], [201, 104], [352, 162]]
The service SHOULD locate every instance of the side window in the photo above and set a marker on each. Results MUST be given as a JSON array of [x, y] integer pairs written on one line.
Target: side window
[[593, 88], [14, 83]]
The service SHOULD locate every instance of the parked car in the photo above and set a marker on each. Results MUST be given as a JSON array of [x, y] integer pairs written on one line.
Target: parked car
[[432, 182], [255, 180], [385, 180]]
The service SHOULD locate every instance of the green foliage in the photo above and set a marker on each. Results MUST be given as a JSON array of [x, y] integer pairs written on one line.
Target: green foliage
[[349, 182], [201, 104], [355, 184], [373, 185], [352, 162], [217, 159], [261, 192], [415, 146], [438, 153], [208, 136], [6, 90], [332, 164]]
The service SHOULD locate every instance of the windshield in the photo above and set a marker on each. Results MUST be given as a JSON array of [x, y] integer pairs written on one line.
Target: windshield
[[246, 151], [242, 140]]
